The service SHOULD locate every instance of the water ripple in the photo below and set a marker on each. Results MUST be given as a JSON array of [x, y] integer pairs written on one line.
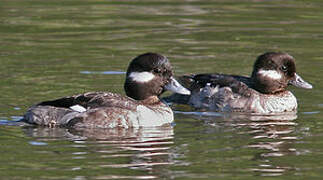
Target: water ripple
[[140, 148], [36, 143], [311, 112], [103, 72]]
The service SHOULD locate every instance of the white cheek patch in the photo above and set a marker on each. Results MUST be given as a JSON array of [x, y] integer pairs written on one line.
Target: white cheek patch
[[142, 77], [272, 74]]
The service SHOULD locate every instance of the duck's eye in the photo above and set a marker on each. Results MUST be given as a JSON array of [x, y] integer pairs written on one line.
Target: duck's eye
[[284, 68], [157, 71]]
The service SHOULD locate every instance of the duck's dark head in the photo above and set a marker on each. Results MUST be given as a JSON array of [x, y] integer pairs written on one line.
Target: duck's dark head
[[149, 75], [274, 71]]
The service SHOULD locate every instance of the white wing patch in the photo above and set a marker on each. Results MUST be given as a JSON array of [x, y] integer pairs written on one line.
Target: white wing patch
[[78, 108], [142, 77], [270, 74]]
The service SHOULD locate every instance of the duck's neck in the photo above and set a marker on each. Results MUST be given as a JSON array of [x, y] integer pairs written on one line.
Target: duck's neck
[[152, 100], [262, 86]]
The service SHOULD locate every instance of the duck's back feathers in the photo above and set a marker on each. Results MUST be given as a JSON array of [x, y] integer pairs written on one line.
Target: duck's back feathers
[[60, 112], [100, 110], [231, 93], [238, 84], [92, 100], [206, 85], [216, 91]]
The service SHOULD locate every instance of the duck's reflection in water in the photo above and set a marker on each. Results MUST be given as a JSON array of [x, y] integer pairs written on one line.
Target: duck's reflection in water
[[143, 148], [272, 134]]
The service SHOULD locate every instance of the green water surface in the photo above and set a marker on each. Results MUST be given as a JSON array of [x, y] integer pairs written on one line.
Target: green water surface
[[50, 49]]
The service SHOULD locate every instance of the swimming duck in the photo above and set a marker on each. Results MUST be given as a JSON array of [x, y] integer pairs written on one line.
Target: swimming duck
[[147, 77], [262, 93]]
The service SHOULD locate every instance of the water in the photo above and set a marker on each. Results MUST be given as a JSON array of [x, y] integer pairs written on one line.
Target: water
[[50, 49]]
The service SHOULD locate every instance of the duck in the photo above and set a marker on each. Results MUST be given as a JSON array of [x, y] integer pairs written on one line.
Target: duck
[[264, 92], [147, 77]]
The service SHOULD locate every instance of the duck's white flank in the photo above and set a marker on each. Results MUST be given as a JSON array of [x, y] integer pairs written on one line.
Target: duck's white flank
[[141, 77], [270, 74], [148, 117]]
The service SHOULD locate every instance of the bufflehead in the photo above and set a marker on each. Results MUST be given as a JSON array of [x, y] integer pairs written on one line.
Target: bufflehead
[[262, 93], [147, 77]]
